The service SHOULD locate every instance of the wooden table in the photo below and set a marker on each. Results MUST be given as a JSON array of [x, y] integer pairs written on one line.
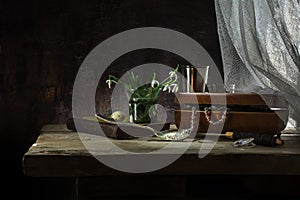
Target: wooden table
[[59, 152]]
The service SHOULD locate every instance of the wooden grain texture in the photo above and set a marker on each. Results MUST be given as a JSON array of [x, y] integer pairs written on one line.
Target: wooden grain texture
[[253, 122], [60, 152], [232, 99]]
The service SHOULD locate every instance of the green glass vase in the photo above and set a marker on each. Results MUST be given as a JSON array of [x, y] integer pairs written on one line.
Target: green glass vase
[[142, 110]]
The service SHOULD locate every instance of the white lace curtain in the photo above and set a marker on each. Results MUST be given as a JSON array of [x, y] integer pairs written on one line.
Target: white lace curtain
[[260, 45]]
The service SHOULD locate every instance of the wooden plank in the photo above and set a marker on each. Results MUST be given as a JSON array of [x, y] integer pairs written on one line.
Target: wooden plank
[[63, 154], [85, 166], [55, 128], [71, 144]]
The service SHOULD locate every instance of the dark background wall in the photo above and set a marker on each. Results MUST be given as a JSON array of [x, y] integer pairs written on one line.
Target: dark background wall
[[42, 45]]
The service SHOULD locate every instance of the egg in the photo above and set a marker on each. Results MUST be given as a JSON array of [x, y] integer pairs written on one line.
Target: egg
[[118, 116]]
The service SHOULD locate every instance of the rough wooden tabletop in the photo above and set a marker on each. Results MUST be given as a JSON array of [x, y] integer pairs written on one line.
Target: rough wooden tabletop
[[61, 152]]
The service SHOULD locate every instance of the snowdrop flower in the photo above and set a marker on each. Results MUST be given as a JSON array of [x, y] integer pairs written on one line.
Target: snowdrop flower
[[166, 87], [168, 84], [109, 82], [169, 88], [154, 83], [173, 75], [175, 87]]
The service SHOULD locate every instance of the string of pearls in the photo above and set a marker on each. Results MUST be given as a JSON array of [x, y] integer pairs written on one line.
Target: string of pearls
[[210, 121], [193, 119], [186, 132]]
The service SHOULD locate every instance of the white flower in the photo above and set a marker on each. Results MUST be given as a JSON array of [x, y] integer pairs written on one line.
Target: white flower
[[175, 87], [166, 87], [171, 88], [173, 75], [109, 82], [154, 83]]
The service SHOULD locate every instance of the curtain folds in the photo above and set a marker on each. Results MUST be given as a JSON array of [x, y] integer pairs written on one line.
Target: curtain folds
[[260, 46]]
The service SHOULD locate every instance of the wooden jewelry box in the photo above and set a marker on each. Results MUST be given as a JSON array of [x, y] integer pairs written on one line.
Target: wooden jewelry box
[[236, 112]]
